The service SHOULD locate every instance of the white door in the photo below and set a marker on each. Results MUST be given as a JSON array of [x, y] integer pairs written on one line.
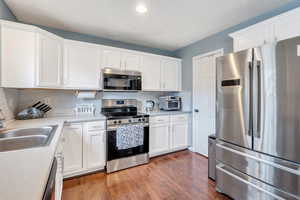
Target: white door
[[82, 65], [151, 74], [112, 58], [131, 61], [95, 149], [18, 57], [170, 75], [179, 135], [49, 73], [72, 148], [204, 101], [159, 139]]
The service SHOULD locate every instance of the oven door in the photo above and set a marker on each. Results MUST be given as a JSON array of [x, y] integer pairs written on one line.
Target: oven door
[[119, 82], [114, 153]]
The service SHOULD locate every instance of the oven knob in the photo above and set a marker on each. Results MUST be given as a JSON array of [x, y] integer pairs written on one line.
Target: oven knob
[[140, 120], [120, 121], [143, 119], [129, 121], [115, 122]]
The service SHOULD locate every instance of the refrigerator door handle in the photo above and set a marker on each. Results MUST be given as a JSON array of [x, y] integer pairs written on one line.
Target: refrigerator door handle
[[257, 99], [250, 99], [258, 118]]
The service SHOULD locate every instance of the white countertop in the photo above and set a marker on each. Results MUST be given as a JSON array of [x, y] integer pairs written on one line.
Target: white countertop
[[157, 113], [24, 173]]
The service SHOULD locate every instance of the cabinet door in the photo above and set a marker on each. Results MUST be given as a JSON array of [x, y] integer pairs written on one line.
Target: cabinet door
[[95, 152], [49, 71], [159, 139], [18, 56], [82, 65], [151, 74], [112, 58], [72, 148], [131, 61], [287, 26], [171, 75], [253, 36], [179, 135]]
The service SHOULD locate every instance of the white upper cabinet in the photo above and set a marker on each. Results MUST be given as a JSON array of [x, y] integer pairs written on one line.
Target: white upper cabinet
[[253, 36], [160, 73], [171, 75], [82, 65], [112, 58], [287, 25], [131, 61], [122, 60], [278, 28], [18, 55], [34, 58], [151, 73], [49, 70]]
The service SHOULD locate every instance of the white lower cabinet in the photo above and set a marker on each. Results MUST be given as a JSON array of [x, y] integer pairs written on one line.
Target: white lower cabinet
[[180, 135], [168, 134], [159, 139], [72, 148], [84, 148], [94, 149]]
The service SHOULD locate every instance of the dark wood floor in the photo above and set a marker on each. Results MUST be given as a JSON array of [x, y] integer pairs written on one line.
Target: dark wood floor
[[177, 176]]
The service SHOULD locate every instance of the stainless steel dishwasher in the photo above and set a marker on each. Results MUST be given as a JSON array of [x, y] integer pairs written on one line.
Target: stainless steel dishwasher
[[212, 157]]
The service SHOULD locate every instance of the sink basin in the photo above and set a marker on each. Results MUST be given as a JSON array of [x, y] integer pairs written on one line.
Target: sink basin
[[26, 138]]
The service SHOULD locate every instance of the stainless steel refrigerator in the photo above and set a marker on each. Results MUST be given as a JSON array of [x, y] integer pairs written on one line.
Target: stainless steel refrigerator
[[258, 122]]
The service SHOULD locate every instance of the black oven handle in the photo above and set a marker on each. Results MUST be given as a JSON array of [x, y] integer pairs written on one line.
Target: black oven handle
[[114, 128]]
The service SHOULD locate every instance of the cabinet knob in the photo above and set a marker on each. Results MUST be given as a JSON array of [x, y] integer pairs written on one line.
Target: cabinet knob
[[196, 110]]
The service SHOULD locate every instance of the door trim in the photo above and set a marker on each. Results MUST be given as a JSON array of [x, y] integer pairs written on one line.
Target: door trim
[[219, 52]]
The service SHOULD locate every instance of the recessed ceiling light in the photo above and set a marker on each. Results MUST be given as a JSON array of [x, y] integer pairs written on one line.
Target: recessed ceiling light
[[141, 8]]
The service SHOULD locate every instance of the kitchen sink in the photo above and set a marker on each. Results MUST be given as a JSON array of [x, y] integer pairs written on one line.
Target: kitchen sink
[[26, 138]]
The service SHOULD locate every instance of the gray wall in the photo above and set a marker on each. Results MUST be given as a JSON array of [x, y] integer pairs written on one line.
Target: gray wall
[[214, 42], [5, 13]]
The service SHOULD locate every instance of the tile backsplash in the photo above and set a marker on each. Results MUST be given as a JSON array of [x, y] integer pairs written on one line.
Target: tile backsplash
[[63, 102], [9, 102]]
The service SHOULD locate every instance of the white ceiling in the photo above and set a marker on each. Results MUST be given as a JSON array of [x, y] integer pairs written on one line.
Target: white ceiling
[[169, 24]]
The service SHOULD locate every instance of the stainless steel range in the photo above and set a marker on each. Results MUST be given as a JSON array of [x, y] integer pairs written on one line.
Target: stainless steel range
[[127, 134]]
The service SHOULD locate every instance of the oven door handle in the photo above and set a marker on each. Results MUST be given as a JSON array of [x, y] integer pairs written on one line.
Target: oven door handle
[[113, 128]]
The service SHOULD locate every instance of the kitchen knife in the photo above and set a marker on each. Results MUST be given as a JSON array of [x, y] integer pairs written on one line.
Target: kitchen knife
[[45, 108], [48, 109], [41, 106], [34, 105]]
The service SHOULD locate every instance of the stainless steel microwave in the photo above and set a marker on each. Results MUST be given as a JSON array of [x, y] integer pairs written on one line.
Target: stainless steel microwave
[[118, 80]]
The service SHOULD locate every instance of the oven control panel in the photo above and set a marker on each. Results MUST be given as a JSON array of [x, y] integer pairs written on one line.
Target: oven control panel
[[113, 122]]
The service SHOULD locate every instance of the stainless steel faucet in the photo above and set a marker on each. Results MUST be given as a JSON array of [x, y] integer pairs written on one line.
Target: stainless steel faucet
[[2, 119]]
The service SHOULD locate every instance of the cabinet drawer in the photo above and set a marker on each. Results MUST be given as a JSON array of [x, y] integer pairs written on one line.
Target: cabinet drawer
[[179, 118], [96, 125], [160, 119]]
